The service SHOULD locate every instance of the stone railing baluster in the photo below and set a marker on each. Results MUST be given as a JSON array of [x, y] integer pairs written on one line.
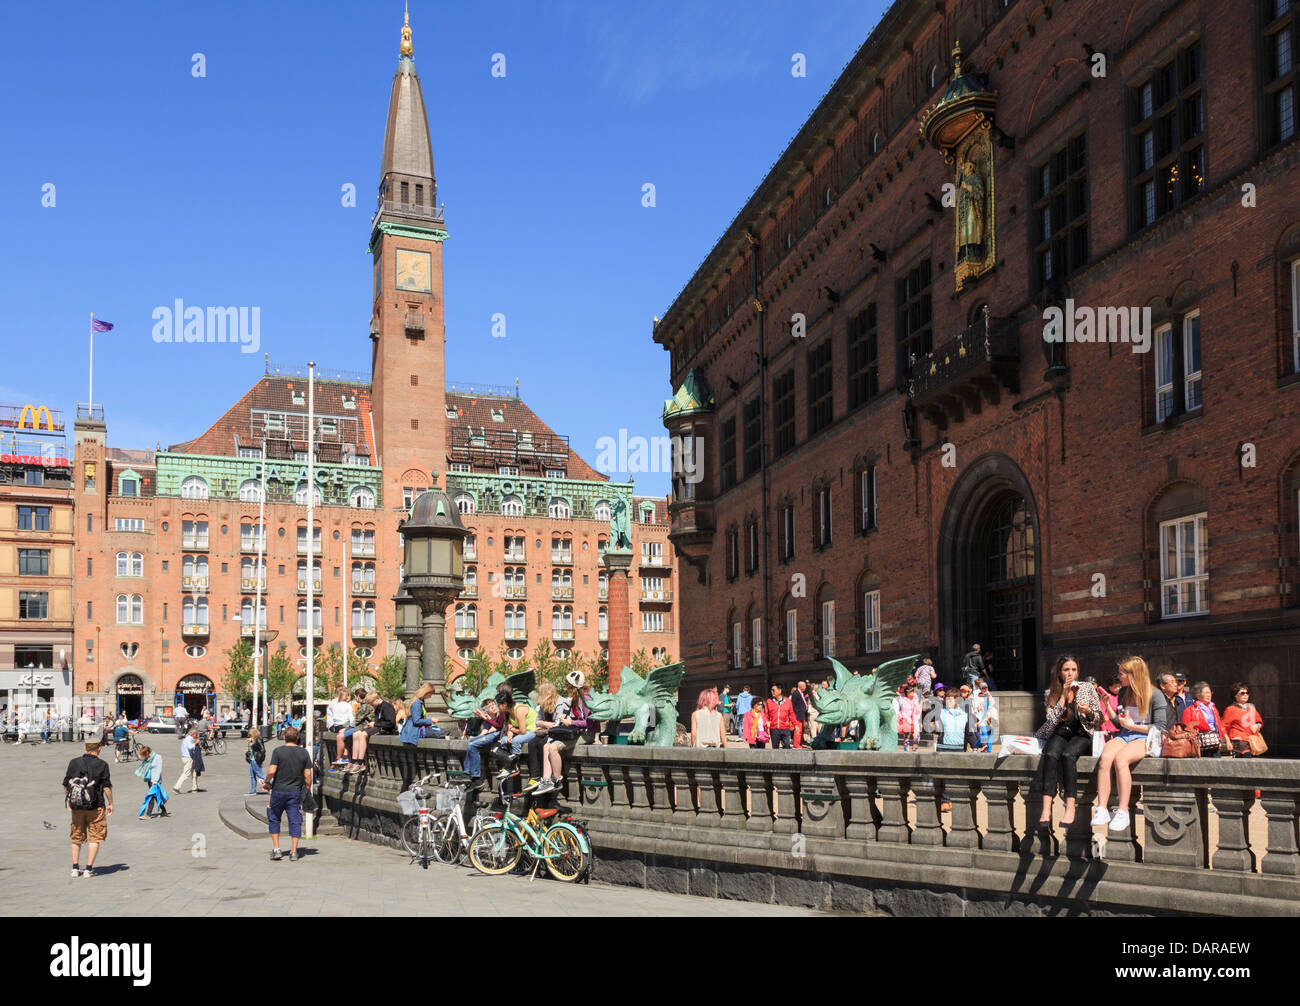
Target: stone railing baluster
[[1122, 846], [785, 807], [760, 802], [1232, 807], [893, 804], [963, 834], [1282, 858], [733, 798], [661, 804], [863, 817], [929, 828], [1174, 826], [1000, 800]]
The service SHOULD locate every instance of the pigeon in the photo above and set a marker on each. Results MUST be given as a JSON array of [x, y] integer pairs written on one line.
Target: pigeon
[[48, 826]]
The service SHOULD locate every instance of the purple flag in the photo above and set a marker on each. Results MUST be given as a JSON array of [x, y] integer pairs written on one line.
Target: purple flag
[[100, 326]]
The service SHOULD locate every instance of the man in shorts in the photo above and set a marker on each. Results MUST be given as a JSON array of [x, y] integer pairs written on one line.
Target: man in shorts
[[287, 777], [89, 795]]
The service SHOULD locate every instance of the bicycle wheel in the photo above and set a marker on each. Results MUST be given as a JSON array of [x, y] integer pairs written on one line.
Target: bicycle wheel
[[448, 848], [411, 835], [426, 847], [219, 745], [495, 850], [565, 858]]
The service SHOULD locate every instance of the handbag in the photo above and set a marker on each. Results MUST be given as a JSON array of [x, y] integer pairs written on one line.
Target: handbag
[[308, 801], [1257, 745], [1180, 742], [1154, 742], [1098, 743], [562, 733]]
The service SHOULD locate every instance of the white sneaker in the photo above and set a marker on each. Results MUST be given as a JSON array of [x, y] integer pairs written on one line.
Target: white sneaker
[[76, 871], [1120, 821], [1100, 816]]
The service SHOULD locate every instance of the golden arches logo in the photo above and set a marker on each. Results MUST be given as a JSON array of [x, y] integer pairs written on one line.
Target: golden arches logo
[[35, 413]]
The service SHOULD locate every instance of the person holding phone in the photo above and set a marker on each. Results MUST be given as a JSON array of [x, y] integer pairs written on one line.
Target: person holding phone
[[1073, 713], [1142, 708]]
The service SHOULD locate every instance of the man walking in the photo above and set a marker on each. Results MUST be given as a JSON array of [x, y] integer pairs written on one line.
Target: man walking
[[89, 795], [799, 708], [973, 665], [781, 717], [744, 703], [187, 761], [288, 776]]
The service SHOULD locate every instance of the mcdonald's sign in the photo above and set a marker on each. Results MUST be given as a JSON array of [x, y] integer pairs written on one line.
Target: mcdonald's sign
[[35, 414]]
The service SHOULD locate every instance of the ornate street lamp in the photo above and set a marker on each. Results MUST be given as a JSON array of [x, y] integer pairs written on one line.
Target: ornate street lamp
[[410, 633], [433, 543]]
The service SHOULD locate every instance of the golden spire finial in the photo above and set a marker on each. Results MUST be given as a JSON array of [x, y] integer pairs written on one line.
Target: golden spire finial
[[956, 59], [407, 48]]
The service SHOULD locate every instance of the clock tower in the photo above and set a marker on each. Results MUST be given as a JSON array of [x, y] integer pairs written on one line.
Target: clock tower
[[407, 330]]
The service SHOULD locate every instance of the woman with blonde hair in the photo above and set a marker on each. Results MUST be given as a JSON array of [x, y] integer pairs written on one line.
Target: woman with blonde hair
[[416, 722], [548, 700], [706, 722], [255, 755], [1142, 708]]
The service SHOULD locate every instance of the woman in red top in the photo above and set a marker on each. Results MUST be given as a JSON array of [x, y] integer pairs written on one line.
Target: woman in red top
[[1241, 720], [1203, 717]]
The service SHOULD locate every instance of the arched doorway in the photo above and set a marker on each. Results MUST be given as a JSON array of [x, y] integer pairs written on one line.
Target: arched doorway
[[195, 693], [988, 573], [130, 696]]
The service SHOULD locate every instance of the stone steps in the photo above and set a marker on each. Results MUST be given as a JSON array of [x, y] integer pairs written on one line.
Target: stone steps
[[246, 817]]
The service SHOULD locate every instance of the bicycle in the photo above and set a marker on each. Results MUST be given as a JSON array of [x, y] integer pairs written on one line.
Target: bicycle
[[499, 845], [451, 837], [212, 743], [417, 831]]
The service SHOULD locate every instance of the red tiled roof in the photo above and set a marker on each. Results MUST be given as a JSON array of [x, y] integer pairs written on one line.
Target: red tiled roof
[[660, 503], [476, 411], [275, 394]]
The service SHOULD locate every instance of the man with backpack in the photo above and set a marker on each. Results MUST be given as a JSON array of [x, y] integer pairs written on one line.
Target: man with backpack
[[89, 795]]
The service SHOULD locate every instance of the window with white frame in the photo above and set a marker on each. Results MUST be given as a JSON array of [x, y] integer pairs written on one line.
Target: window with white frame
[[250, 491], [300, 495], [791, 635], [128, 524], [601, 510], [1192, 361], [362, 497], [602, 621], [130, 609], [512, 506], [737, 645], [1164, 372], [652, 621], [194, 488], [246, 613], [516, 618], [828, 628], [559, 508], [756, 637], [194, 611], [1184, 567], [464, 503], [466, 619], [507, 470], [871, 621], [1178, 367]]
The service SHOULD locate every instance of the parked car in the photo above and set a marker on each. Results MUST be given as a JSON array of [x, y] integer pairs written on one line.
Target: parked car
[[162, 725]]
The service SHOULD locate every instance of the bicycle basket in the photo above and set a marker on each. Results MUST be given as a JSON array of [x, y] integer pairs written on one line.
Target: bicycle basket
[[409, 803], [448, 798]]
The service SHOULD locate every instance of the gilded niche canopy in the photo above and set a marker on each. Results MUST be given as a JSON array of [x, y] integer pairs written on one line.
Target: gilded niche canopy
[[959, 126]]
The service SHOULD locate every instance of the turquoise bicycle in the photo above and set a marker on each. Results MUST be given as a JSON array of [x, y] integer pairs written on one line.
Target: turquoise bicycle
[[499, 845]]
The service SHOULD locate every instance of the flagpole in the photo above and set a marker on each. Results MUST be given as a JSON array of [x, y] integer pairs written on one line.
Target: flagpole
[[259, 572], [310, 711], [90, 392]]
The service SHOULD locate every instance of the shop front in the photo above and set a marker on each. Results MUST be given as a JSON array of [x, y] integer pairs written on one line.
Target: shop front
[[195, 693], [26, 693], [130, 696]]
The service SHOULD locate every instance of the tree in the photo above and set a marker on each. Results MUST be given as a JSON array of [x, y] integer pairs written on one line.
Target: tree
[[546, 667], [598, 675], [280, 674], [328, 669], [390, 678], [238, 679], [477, 670], [641, 663]]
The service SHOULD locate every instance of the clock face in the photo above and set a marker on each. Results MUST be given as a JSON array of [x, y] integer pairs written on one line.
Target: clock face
[[414, 271]]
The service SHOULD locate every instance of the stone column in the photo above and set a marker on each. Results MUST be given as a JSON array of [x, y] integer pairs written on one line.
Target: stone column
[[1233, 808], [433, 648], [412, 644], [618, 562], [1283, 856]]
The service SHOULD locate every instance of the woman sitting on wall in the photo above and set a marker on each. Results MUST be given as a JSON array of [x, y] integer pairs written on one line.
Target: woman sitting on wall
[[1073, 713], [1142, 708]]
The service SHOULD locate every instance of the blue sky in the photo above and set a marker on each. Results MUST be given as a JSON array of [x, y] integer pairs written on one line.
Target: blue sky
[[226, 189]]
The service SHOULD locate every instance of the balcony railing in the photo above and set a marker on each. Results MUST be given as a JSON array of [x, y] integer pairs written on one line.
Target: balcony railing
[[561, 635], [194, 542], [194, 582], [516, 633], [430, 213], [516, 591], [363, 632], [469, 590], [302, 585], [603, 635], [365, 549], [252, 630], [561, 593], [654, 560], [252, 544], [316, 547], [562, 558], [657, 596], [471, 553], [467, 632], [959, 376], [252, 584], [302, 630], [363, 587], [194, 628], [515, 557], [603, 594]]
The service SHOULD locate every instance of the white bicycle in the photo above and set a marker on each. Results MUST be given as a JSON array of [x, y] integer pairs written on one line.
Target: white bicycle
[[451, 837]]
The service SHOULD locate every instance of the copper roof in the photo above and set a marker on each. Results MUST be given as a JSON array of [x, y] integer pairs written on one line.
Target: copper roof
[[477, 412]]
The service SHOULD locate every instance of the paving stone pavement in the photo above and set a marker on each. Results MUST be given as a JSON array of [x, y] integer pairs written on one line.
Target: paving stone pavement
[[192, 864]]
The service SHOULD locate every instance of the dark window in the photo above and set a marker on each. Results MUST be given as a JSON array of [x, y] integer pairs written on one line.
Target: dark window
[[1279, 71], [1060, 221], [912, 331], [34, 656], [753, 441], [787, 533], [820, 398], [419, 194], [33, 518], [864, 377], [822, 516], [33, 562], [728, 449], [33, 604], [733, 554], [35, 477], [406, 192], [867, 499], [751, 548], [1167, 139], [783, 414]]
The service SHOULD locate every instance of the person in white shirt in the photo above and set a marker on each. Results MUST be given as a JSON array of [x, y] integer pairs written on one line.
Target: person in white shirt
[[338, 717], [187, 761]]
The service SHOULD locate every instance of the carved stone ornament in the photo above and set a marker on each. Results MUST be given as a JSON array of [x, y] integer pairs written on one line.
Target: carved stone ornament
[[959, 126]]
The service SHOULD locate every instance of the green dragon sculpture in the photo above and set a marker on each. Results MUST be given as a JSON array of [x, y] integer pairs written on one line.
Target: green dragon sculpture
[[869, 698], [461, 704], [636, 696]]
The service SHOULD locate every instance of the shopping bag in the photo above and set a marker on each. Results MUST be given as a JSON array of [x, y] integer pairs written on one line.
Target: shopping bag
[[1098, 742], [1016, 744], [1154, 743]]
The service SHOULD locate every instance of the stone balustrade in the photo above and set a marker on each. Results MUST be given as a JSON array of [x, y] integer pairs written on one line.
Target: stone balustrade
[[864, 831]]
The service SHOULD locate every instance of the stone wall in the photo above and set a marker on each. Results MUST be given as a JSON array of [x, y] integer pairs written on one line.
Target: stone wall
[[863, 832]]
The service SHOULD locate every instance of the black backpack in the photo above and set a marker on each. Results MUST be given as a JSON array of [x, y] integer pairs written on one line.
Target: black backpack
[[83, 793]]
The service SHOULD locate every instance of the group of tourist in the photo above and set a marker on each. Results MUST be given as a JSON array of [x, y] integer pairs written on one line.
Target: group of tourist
[[1123, 722]]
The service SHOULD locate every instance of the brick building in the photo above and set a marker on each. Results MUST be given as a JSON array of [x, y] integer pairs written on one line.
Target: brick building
[[36, 653], [895, 457], [168, 540]]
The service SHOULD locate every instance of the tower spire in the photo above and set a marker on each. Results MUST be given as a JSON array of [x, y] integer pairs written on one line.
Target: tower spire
[[408, 49]]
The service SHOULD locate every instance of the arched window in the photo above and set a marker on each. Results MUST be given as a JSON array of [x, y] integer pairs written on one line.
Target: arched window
[[601, 510], [648, 513], [250, 491], [362, 498], [194, 611], [137, 563], [512, 506], [602, 621], [559, 508], [123, 610], [123, 564], [300, 495], [464, 503], [466, 619], [315, 617], [194, 488]]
